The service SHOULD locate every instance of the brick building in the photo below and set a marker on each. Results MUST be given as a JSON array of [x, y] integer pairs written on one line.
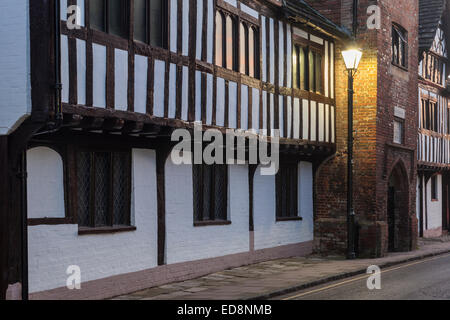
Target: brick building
[[385, 134]]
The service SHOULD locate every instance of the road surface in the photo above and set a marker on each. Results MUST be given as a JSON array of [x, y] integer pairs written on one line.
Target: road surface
[[427, 279]]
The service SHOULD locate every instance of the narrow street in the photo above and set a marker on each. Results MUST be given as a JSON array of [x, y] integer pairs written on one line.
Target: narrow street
[[427, 279]]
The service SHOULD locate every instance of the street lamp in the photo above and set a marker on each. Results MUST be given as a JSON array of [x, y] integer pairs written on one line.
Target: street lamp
[[352, 57]]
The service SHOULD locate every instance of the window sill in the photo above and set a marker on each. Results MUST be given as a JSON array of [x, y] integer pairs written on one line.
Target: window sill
[[434, 200], [400, 67], [211, 223], [103, 230], [289, 219]]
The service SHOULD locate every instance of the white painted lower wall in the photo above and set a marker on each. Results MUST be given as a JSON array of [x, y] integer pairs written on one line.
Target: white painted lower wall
[[52, 249], [434, 210], [188, 243], [268, 232]]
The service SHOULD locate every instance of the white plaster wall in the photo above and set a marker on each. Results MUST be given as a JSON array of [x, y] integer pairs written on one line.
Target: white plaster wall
[[268, 232], [418, 203], [45, 184], [158, 94], [15, 87], [140, 84], [52, 249], [99, 75], [434, 207], [121, 79], [188, 243]]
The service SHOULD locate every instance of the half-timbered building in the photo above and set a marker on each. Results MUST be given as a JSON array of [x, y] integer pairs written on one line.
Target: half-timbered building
[[433, 192], [103, 84]]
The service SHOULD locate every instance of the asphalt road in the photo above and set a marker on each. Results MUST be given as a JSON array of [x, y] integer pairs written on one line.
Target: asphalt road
[[427, 279]]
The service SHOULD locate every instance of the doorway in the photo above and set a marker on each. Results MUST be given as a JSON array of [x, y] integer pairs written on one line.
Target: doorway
[[399, 233]]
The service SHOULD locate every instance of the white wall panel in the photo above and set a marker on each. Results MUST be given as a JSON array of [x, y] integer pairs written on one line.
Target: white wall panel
[[232, 107], [65, 69], [185, 94], [121, 79], [255, 109], [220, 102], [305, 119], [172, 90], [99, 75], [244, 107], [45, 184], [173, 25], [158, 94], [140, 84]]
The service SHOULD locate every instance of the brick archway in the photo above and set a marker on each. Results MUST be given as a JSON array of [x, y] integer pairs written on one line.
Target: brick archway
[[398, 219]]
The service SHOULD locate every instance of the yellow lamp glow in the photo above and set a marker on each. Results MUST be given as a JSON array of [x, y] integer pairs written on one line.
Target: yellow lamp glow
[[352, 58]]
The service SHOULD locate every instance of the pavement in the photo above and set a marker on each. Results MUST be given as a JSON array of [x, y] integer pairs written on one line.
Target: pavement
[[276, 278]]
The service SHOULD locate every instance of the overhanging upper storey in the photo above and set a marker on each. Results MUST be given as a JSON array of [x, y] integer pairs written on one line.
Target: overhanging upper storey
[[245, 65]]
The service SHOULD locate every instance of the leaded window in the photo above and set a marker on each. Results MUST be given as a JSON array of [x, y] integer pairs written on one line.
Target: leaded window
[[103, 188], [210, 193], [287, 191], [150, 21], [307, 67], [109, 16]]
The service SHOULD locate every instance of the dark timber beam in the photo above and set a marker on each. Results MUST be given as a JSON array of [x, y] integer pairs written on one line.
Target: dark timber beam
[[3, 216]]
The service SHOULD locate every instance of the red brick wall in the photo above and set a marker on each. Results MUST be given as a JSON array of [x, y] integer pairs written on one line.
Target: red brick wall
[[379, 87]]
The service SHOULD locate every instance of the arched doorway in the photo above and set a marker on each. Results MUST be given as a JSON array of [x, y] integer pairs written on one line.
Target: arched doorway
[[399, 235]]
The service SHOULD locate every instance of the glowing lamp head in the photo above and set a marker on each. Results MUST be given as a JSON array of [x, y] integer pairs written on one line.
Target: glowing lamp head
[[352, 58]]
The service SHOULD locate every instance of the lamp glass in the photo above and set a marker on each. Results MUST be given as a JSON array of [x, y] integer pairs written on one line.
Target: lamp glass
[[352, 58]]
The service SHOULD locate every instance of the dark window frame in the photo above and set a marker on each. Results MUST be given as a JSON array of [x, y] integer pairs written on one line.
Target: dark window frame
[[433, 67], [164, 26], [235, 33], [256, 38], [110, 226], [434, 188], [429, 111], [287, 190], [127, 13], [400, 50], [201, 217], [312, 78]]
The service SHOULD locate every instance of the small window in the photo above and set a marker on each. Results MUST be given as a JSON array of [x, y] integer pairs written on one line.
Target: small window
[[249, 50], [150, 21], [287, 191], [399, 47], [434, 188], [429, 115], [103, 189], [109, 16], [434, 68], [210, 193], [307, 69], [226, 48], [399, 131], [300, 72]]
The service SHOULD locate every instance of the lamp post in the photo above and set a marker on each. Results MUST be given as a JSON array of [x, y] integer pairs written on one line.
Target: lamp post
[[352, 57]]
